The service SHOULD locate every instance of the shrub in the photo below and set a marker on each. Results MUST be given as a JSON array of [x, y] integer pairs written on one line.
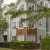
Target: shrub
[[22, 44], [5, 44], [45, 43]]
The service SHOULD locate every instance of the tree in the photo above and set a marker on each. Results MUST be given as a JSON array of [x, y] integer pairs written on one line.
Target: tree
[[42, 12], [3, 23]]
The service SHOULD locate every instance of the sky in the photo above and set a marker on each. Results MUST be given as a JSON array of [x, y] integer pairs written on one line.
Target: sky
[[9, 1]]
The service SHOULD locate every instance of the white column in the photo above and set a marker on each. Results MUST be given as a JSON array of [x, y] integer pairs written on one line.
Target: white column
[[9, 31]]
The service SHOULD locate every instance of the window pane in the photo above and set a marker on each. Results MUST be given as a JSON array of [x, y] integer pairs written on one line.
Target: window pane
[[13, 25], [31, 37], [20, 37], [42, 3], [31, 7], [31, 25], [13, 37], [22, 7], [20, 24], [39, 23]]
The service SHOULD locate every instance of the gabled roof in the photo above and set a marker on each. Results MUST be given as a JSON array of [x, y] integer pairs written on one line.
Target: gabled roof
[[19, 1], [32, 1]]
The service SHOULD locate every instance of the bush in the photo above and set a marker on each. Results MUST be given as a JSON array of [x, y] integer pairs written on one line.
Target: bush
[[5, 44], [22, 45], [45, 43]]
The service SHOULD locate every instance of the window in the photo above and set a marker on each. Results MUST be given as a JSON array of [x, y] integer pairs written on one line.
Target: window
[[22, 7], [31, 37], [20, 24], [31, 7], [46, 5], [40, 37], [40, 23], [42, 3], [31, 25], [13, 37], [13, 25], [20, 37]]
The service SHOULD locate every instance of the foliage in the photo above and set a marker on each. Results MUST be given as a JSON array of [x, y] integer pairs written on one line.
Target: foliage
[[3, 23], [12, 4], [45, 43], [5, 44], [22, 44], [39, 14], [44, 12]]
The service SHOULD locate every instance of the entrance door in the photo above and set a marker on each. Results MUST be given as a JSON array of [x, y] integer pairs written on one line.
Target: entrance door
[[5, 38]]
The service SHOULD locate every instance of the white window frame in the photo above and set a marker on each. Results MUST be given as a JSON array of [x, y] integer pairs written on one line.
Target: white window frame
[[13, 25], [22, 7], [20, 24], [21, 37], [31, 7], [13, 37], [32, 27]]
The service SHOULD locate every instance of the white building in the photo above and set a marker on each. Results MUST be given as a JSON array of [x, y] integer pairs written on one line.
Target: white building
[[18, 30]]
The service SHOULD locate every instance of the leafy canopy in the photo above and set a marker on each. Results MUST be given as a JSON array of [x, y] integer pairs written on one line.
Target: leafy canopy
[[3, 23], [44, 12]]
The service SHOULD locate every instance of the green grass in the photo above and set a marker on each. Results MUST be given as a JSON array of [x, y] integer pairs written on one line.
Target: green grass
[[5, 49], [17, 49]]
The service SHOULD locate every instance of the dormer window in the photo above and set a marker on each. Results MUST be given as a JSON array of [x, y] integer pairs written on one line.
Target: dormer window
[[22, 7], [31, 7]]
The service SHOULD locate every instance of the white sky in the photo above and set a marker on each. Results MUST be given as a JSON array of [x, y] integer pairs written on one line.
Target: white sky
[[8, 1]]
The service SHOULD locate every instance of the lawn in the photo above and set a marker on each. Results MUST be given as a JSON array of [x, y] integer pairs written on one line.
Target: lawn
[[15, 49], [5, 49]]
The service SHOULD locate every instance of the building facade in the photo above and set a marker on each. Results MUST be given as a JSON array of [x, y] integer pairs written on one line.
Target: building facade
[[18, 30]]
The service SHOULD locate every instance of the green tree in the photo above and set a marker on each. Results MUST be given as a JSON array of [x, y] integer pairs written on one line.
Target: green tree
[[45, 12], [3, 23], [42, 12]]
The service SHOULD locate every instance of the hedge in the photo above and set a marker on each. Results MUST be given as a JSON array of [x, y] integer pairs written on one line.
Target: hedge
[[45, 43], [22, 44], [5, 44]]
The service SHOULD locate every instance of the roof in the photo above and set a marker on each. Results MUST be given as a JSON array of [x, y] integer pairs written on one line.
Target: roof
[[19, 1], [32, 1]]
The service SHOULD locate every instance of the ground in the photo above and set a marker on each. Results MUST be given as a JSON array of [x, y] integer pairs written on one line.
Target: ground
[[14, 49], [5, 49]]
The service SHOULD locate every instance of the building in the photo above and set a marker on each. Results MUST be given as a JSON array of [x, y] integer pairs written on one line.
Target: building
[[18, 30]]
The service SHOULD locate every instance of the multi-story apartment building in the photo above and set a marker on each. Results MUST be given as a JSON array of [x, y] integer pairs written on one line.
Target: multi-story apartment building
[[18, 30]]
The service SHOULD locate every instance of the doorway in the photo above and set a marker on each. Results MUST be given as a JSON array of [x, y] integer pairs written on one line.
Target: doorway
[[5, 38]]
